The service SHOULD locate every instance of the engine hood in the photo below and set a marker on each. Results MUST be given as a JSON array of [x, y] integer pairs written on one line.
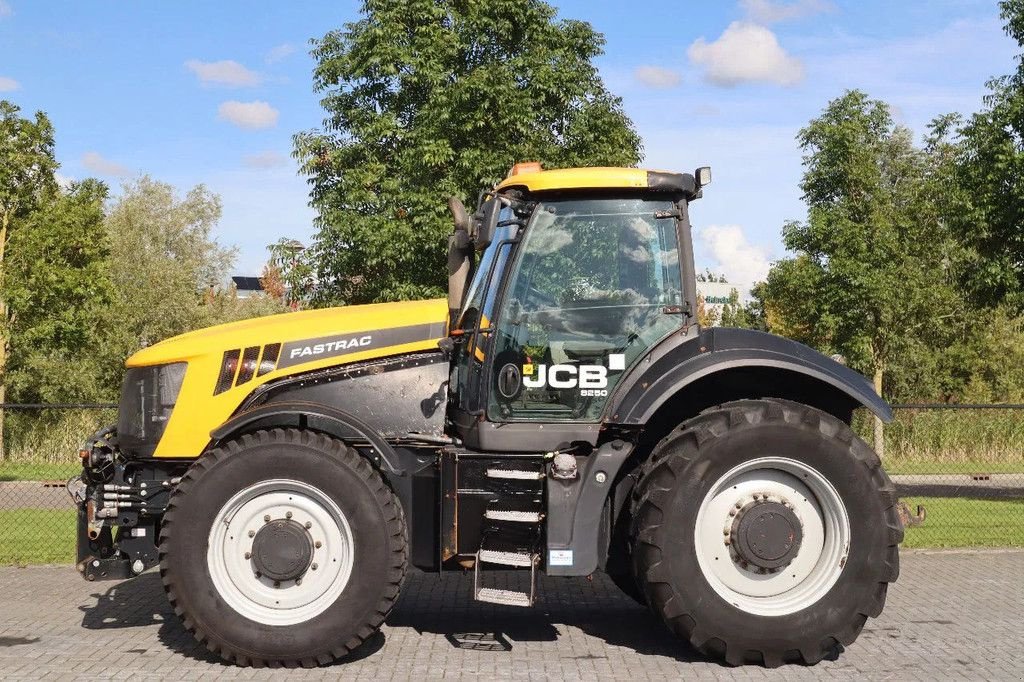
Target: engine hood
[[309, 336]]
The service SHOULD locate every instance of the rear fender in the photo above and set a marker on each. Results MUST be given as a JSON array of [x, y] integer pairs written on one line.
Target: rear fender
[[771, 365]]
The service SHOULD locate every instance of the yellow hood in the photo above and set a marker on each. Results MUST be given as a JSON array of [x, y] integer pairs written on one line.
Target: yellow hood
[[228, 362], [291, 327]]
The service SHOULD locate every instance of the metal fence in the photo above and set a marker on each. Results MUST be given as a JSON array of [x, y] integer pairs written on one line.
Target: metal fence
[[959, 471]]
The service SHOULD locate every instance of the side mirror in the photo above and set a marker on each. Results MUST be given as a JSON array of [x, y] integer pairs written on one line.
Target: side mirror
[[703, 176], [487, 223]]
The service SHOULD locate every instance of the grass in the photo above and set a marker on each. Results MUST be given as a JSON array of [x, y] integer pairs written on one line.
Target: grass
[[39, 471], [37, 536], [923, 441], [963, 522]]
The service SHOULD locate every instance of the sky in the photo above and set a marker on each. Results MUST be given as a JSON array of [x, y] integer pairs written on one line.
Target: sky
[[207, 93]]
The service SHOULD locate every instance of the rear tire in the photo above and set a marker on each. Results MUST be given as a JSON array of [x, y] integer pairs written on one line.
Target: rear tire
[[282, 548], [789, 570]]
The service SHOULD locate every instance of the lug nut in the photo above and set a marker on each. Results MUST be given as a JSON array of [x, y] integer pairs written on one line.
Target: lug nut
[[288, 515], [309, 524], [318, 544], [258, 574], [252, 533], [248, 555], [314, 567], [277, 583], [266, 519], [298, 581]]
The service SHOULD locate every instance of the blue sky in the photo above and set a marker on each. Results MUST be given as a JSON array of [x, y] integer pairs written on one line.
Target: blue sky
[[196, 92]]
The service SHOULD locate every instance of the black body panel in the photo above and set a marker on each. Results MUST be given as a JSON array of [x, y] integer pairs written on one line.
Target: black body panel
[[393, 396]]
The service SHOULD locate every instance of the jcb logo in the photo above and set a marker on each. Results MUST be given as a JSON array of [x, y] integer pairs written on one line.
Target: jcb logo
[[567, 376], [592, 380]]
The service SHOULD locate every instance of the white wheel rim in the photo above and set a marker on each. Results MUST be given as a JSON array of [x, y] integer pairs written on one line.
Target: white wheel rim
[[822, 553], [257, 597]]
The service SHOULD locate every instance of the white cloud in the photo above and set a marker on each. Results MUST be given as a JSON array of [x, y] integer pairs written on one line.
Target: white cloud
[[100, 165], [657, 77], [251, 115], [745, 53], [8, 84], [279, 52], [267, 159], [5, 10], [770, 12], [742, 263], [63, 181], [226, 72]]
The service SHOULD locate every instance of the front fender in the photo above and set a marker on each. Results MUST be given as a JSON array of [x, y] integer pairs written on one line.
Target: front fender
[[314, 416], [681, 361]]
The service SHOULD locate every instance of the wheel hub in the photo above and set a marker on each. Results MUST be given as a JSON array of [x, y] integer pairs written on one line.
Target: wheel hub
[[766, 534], [282, 550]]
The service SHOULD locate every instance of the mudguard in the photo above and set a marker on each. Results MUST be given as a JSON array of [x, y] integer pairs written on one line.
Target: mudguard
[[317, 417], [681, 361]]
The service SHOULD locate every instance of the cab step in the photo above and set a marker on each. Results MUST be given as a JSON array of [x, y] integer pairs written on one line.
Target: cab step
[[515, 474], [493, 595], [518, 559], [514, 516]]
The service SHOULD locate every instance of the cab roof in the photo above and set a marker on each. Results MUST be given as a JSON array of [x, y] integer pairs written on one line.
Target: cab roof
[[531, 178]]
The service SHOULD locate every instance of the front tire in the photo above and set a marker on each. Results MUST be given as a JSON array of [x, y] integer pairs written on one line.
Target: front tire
[[765, 532], [283, 547]]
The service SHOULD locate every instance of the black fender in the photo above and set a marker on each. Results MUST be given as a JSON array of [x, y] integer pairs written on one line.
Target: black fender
[[317, 417], [680, 361]]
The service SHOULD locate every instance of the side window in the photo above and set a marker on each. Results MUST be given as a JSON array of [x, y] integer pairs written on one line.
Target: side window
[[597, 282], [476, 319]]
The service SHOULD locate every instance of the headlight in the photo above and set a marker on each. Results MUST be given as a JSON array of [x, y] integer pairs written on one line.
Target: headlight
[[147, 400]]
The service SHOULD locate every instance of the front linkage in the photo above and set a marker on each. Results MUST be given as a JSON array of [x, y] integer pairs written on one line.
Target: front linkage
[[120, 505]]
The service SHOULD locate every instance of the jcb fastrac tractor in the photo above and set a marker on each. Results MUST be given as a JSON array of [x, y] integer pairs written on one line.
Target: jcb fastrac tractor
[[563, 412]]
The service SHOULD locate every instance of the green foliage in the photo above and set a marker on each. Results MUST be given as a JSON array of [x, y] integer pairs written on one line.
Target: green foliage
[[871, 275], [27, 163], [745, 316], [57, 285], [166, 270], [991, 164], [427, 99]]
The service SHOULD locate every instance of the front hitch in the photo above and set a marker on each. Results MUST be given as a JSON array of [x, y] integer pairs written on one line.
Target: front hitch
[[120, 503]]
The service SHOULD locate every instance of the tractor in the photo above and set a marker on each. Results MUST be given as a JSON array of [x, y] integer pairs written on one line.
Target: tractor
[[561, 412]]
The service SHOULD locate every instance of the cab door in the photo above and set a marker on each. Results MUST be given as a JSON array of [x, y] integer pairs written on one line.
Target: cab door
[[596, 282]]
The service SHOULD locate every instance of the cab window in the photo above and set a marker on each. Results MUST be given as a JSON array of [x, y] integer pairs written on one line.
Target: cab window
[[596, 283]]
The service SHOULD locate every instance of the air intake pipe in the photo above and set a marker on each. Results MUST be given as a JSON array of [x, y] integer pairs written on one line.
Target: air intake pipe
[[460, 258]]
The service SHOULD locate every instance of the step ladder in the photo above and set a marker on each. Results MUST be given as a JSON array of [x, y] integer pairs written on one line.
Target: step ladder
[[512, 538]]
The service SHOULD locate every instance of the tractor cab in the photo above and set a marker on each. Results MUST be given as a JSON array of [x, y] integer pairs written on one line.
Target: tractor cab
[[559, 283]]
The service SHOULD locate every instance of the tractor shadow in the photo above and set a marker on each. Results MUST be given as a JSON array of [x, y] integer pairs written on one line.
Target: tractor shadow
[[443, 605], [141, 602], [439, 605]]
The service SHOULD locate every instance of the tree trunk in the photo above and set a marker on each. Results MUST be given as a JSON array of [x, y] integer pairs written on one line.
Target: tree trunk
[[4, 345], [879, 432]]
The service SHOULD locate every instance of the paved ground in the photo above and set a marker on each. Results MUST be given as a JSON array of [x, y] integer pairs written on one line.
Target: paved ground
[[951, 616]]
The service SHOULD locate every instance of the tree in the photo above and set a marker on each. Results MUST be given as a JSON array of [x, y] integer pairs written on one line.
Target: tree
[[27, 167], [167, 270], [427, 99], [57, 286], [991, 179], [745, 316], [868, 276]]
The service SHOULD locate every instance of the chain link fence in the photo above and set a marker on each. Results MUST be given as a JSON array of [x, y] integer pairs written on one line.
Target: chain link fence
[[959, 471]]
